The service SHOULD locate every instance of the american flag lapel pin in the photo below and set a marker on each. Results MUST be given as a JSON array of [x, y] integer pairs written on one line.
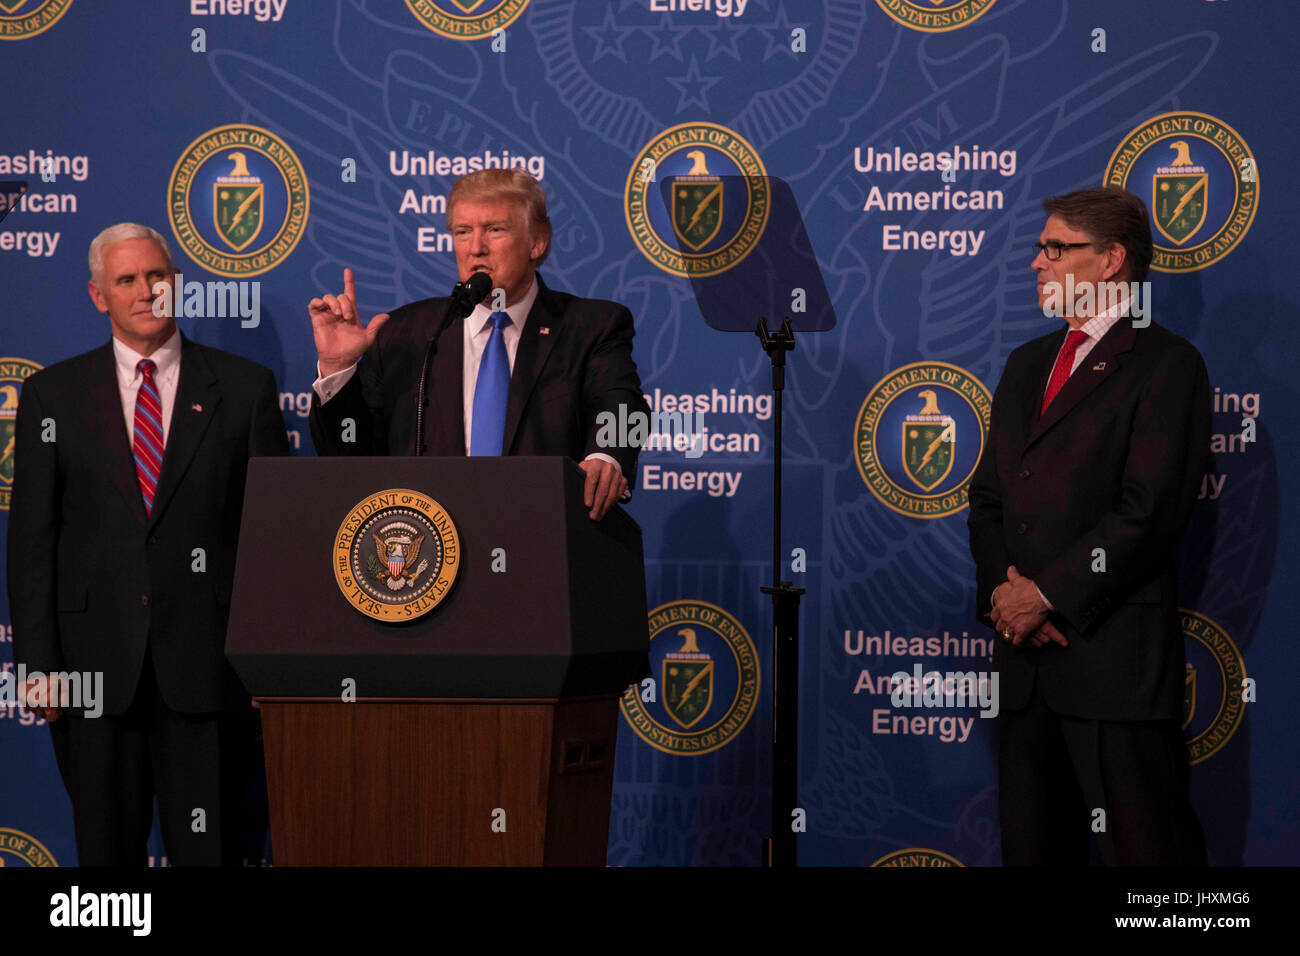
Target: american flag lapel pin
[[1099, 367], [544, 330], [195, 406]]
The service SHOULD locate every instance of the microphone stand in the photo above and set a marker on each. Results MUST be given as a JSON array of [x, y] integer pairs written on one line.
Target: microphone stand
[[464, 297]]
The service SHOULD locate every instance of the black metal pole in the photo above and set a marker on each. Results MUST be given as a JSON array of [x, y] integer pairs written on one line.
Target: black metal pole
[[778, 389], [781, 849]]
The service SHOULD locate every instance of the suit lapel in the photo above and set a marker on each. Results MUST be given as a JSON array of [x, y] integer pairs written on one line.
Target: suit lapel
[[447, 371], [534, 349], [1034, 400], [109, 426], [1099, 364], [197, 398]]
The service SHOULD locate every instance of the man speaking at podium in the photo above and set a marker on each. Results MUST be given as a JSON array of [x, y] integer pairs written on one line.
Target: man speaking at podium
[[1097, 444], [528, 379]]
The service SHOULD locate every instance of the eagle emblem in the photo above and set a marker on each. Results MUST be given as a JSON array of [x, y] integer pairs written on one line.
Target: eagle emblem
[[396, 561]]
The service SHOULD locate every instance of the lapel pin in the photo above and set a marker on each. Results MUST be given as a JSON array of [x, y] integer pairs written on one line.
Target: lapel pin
[[1099, 367], [196, 406], [544, 330]]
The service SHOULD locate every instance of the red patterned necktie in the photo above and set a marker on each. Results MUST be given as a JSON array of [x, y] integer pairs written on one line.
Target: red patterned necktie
[[1064, 363], [147, 444]]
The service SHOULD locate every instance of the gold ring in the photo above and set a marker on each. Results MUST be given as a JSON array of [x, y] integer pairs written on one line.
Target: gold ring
[[1007, 634]]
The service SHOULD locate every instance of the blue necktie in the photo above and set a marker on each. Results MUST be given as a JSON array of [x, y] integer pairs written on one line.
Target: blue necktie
[[491, 391]]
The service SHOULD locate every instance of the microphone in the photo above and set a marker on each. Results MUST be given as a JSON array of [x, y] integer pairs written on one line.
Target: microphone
[[464, 297]]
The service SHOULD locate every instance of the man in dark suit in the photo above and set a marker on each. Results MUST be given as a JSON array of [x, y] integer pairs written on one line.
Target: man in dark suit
[[128, 485], [529, 372], [1096, 448]]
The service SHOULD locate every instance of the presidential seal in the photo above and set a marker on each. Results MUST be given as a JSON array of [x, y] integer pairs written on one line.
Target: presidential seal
[[20, 19], [1200, 181], [708, 680], [13, 372], [466, 19], [1212, 695], [936, 16], [24, 849], [919, 435], [719, 201], [917, 856], [238, 200], [396, 555]]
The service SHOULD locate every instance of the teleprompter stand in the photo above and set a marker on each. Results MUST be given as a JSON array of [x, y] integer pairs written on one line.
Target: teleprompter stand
[[778, 275], [780, 848]]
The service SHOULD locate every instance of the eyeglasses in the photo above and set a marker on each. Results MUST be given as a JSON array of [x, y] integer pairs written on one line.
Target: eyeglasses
[[1053, 250]]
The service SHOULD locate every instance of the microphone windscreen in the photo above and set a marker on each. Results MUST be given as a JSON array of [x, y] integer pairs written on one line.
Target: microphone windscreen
[[480, 284]]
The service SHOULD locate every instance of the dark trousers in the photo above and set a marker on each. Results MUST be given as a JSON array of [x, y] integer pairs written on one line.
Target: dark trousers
[[113, 767], [1055, 772]]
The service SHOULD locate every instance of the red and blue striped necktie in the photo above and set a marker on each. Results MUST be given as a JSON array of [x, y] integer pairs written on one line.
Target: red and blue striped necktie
[[147, 444]]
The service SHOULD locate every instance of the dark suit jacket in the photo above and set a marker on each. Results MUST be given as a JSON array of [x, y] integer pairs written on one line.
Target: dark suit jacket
[[574, 362], [91, 578], [1116, 464]]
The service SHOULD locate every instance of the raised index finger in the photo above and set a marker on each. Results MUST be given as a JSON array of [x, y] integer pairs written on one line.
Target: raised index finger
[[349, 285]]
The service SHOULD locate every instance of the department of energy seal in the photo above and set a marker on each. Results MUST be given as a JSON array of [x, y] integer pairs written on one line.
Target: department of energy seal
[[20, 19], [917, 856], [1212, 699], [466, 19], [26, 849], [1199, 180], [13, 372], [719, 203], [936, 16], [396, 555], [706, 667], [238, 200], [919, 435]]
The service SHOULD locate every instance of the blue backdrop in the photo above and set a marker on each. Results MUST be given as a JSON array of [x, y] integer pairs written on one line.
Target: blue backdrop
[[355, 116]]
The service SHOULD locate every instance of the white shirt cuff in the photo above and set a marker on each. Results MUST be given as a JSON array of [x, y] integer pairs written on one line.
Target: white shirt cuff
[[330, 385], [1044, 597]]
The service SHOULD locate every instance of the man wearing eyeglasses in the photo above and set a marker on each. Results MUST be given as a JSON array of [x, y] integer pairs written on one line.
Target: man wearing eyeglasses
[[1098, 440]]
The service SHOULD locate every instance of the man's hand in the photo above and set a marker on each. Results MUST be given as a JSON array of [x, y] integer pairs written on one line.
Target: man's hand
[[340, 337], [605, 485], [1047, 632], [36, 694], [1018, 610]]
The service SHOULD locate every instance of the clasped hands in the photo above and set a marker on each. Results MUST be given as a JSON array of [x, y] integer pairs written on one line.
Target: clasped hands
[[1020, 615]]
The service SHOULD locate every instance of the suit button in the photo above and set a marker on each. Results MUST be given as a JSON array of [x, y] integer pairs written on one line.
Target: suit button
[[1022, 528], [153, 539], [144, 600], [1024, 473]]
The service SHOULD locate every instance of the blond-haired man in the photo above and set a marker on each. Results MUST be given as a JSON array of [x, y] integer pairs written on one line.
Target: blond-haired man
[[528, 372]]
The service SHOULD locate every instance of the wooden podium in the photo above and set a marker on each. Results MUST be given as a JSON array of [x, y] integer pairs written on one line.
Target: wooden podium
[[481, 733]]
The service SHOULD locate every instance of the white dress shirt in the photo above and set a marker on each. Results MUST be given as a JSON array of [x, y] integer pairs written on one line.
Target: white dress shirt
[[165, 376], [1094, 328], [477, 330]]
